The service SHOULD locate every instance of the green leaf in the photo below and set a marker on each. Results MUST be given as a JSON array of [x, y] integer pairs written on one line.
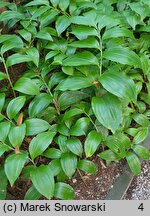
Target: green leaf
[[68, 163], [52, 153], [14, 106], [26, 86], [107, 110], [38, 104], [25, 34], [142, 152], [70, 97], [63, 4], [16, 59], [43, 180], [17, 135], [45, 34], [122, 55], [116, 32], [38, 2], [92, 142], [51, 54], [87, 166], [80, 59], [33, 54], [35, 126], [3, 148], [3, 76], [13, 166], [9, 15], [109, 155], [140, 136], [4, 130], [119, 84], [80, 127], [82, 32], [64, 191], [3, 184], [86, 43], [72, 112], [141, 119], [2, 100], [75, 146], [62, 24], [55, 166], [133, 163], [40, 143], [55, 2], [32, 194], [74, 83]]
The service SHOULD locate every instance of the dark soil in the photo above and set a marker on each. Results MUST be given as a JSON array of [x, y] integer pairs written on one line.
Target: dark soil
[[96, 187]]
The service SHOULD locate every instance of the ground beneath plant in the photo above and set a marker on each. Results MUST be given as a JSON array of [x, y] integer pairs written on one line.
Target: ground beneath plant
[[96, 187], [140, 186]]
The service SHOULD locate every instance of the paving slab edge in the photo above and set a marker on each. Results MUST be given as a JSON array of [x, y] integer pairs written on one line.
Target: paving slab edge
[[124, 181]]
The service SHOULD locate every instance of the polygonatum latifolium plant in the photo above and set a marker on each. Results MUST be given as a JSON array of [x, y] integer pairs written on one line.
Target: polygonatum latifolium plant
[[85, 87]]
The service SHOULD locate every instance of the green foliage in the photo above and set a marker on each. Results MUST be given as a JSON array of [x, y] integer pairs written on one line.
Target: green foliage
[[85, 84]]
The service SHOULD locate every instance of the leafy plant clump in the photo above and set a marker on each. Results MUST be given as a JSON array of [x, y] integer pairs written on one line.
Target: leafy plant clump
[[84, 90]]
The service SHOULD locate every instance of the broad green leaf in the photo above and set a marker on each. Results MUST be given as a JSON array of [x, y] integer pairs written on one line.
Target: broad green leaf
[[82, 32], [17, 58], [33, 54], [26, 86], [64, 191], [35, 126], [17, 135], [43, 180], [3, 148], [92, 142], [72, 112], [61, 141], [55, 166], [74, 83], [14, 106], [122, 55], [142, 152], [69, 163], [80, 59], [141, 119], [82, 20], [38, 2], [68, 98], [119, 84], [52, 153], [4, 130], [25, 34], [55, 2], [38, 104], [132, 18], [40, 143], [140, 136], [63, 4], [107, 110], [13, 166], [44, 34], [86, 43], [117, 32], [51, 54], [109, 155], [3, 184], [87, 166], [75, 146], [14, 42], [62, 24], [80, 127], [9, 15], [32, 194], [3, 76], [133, 163], [2, 100]]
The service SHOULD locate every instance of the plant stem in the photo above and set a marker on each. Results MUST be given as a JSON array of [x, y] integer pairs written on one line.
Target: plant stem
[[91, 121], [6, 118], [8, 77]]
